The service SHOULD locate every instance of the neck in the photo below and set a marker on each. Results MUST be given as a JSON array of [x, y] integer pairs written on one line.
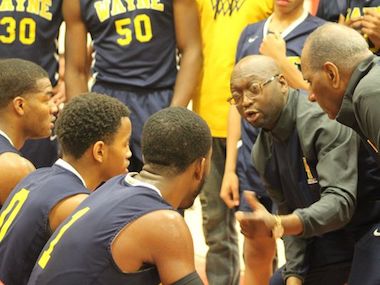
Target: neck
[[281, 20], [167, 186], [13, 132], [89, 170]]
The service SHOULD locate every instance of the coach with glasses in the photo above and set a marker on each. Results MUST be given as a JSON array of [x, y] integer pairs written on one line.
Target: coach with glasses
[[310, 166]]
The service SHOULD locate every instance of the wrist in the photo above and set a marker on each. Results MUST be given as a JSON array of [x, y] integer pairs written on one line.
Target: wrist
[[278, 228]]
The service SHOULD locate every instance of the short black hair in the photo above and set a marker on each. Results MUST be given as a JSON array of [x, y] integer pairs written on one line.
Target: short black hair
[[86, 119], [18, 77], [174, 138]]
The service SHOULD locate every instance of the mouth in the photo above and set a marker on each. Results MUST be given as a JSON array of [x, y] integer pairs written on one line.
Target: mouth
[[251, 116]]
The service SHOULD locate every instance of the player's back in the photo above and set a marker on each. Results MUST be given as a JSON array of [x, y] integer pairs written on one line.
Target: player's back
[[24, 219], [79, 252]]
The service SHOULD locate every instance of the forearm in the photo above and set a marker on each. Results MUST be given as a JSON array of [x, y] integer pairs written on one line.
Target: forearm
[[331, 212], [75, 83], [188, 77], [233, 136], [292, 74]]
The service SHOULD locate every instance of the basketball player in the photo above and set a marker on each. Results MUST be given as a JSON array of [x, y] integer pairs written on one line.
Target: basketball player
[[128, 232], [134, 45], [29, 30], [25, 112], [94, 132]]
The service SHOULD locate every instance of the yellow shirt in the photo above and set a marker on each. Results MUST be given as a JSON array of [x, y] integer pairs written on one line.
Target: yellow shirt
[[220, 32]]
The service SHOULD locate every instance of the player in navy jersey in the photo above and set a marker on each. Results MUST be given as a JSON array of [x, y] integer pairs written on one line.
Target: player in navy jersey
[[25, 112], [94, 132], [281, 37], [363, 16], [134, 45], [29, 30], [128, 232]]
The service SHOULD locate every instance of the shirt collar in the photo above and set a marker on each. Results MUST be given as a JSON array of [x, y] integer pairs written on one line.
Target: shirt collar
[[7, 137], [286, 121], [289, 29], [64, 164], [129, 178]]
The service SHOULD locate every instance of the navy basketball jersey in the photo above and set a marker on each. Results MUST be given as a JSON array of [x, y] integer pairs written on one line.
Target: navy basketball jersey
[[24, 224], [29, 30], [249, 44], [356, 8], [330, 10], [6, 146], [134, 41], [79, 252]]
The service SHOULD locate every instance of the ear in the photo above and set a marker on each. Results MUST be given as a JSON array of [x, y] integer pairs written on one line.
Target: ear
[[99, 151], [332, 73], [18, 104], [284, 86], [199, 170]]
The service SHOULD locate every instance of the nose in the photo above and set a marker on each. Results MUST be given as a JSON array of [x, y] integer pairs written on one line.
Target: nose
[[53, 107], [128, 156], [311, 96], [247, 99]]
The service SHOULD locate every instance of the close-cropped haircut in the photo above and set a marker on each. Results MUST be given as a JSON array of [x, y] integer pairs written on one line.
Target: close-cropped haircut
[[18, 77], [336, 43], [173, 138], [86, 119]]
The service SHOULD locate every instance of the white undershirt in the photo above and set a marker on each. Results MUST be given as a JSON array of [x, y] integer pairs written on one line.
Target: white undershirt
[[70, 168], [134, 182], [6, 136]]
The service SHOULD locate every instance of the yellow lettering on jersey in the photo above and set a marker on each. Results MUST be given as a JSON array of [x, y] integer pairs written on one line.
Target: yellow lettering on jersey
[[12, 210], [6, 5], [20, 5], [117, 8], [157, 5], [45, 257], [296, 60], [374, 9], [102, 9], [44, 10], [143, 4], [33, 7], [355, 12], [131, 5]]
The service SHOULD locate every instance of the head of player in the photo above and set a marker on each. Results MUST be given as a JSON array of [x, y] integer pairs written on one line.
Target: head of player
[[176, 144], [93, 131], [26, 110]]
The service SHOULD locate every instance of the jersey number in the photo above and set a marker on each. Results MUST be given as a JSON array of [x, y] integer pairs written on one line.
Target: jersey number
[[142, 27], [47, 253], [13, 208], [27, 30]]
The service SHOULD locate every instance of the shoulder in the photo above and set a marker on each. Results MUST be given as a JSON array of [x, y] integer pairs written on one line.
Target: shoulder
[[13, 168]]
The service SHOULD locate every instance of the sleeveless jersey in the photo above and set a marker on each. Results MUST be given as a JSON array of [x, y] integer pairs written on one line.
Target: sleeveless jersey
[[6, 146], [79, 252], [249, 43], [134, 41], [29, 30], [24, 225]]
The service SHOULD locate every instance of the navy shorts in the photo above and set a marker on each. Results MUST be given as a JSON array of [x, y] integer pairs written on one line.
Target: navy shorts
[[143, 104]]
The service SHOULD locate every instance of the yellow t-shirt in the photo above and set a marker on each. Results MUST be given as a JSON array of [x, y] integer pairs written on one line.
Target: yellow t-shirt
[[220, 32]]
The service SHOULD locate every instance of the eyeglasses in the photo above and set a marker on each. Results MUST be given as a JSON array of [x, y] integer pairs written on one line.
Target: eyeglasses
[[255, 89]]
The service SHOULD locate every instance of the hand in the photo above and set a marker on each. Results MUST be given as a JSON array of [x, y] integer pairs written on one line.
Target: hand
[[229, 191], [274, 46], [371, 26], [292, 280], [258, 223], [59, 94]]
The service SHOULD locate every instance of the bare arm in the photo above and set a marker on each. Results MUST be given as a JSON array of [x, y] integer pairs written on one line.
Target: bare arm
[[229, 191], [189, 45], [161, 238], [13, 168], [75, 50], [275, 47], [63, 209]]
